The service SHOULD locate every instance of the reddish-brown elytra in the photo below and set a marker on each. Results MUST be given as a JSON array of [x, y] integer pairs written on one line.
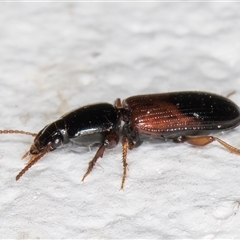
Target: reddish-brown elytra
[[178, 116]]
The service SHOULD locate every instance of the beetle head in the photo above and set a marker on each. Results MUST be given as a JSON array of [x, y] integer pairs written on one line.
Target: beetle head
[[50, 137]]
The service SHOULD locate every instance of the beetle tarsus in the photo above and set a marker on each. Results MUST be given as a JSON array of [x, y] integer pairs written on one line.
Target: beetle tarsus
[[228, 146]]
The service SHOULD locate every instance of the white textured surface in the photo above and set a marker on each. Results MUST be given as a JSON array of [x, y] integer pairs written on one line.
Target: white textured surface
[[55, 57]]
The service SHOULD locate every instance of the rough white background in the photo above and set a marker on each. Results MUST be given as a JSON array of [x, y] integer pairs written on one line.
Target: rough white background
[[59, 56]]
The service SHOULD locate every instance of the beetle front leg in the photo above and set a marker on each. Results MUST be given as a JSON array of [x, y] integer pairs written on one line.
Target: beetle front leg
[[110, 141], [204, 140], [91, 164]]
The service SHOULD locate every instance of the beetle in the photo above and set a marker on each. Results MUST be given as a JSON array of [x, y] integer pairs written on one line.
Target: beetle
[[190, 116]]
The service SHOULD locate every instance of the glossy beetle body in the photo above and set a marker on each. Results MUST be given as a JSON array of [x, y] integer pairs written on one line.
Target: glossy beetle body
[[178, 116]]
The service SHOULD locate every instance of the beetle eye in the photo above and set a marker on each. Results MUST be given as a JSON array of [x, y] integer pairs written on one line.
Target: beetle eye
[[56, 141]]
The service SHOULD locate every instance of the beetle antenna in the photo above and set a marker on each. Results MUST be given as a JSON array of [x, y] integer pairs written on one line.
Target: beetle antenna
[[32, 161], [17, 132]]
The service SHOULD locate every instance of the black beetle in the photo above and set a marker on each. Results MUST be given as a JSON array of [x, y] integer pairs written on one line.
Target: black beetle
[[178, 116]]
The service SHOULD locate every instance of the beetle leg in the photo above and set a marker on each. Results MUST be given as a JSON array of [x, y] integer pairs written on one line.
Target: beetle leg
[[126, 144], [195, 140], [124, 159], [228, 146], [110, 141], [204, 140], [91, 164]]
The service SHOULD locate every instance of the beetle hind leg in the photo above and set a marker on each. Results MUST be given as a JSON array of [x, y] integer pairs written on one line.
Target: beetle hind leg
[[228, 146], [204, 140]]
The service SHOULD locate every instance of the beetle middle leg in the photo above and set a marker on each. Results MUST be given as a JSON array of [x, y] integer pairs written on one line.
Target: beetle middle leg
[[126, 144], [110, 141], [204, 140], [130, 140]]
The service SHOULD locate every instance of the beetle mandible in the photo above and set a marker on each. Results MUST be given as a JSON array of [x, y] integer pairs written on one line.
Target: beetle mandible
[[189, 116]]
